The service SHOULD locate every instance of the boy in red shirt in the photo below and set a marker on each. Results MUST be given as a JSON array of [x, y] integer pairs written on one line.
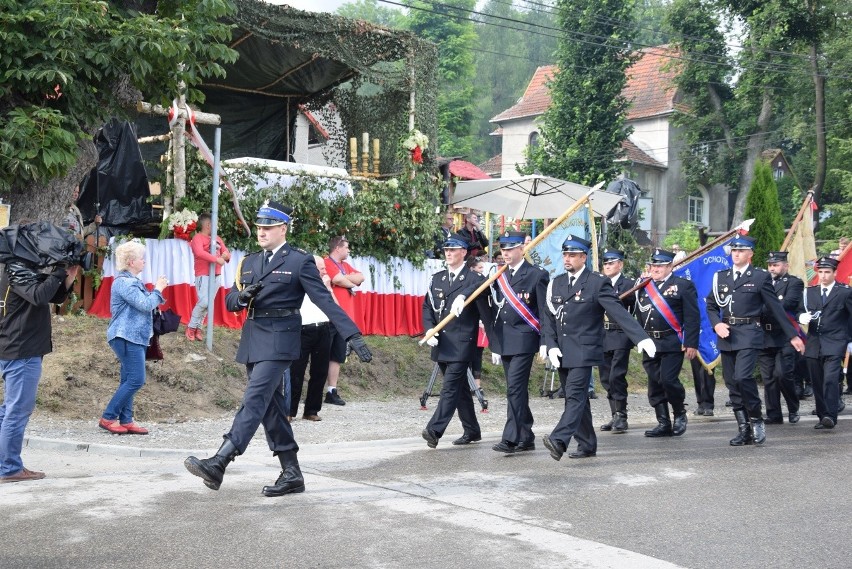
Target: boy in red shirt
[[200, 246]]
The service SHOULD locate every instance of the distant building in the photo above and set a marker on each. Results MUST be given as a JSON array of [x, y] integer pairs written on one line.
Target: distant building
[[651, 154]]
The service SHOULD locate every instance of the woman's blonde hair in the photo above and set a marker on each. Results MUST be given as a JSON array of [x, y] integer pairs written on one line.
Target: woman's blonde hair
[[126, 252]]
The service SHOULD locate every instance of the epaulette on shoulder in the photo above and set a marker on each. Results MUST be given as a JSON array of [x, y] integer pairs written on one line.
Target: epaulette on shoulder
[[540, 268], [841, 285], [761, 269], [600, 275], [300, 250]]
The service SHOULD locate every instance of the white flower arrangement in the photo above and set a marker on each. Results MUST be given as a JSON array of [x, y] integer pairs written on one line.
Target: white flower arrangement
[[415, 139], [183, 219], [393, 183]]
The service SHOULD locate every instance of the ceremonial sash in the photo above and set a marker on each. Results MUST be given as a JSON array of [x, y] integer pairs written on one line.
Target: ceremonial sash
[[799, 332], [516, 304], [663, 308]]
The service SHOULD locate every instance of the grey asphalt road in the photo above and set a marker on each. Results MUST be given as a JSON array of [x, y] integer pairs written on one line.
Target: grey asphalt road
[[691, 502]]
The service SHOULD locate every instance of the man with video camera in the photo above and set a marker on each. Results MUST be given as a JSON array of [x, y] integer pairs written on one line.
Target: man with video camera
[[25, 333]]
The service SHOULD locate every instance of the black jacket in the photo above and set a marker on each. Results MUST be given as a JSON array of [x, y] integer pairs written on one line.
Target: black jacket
[[828, 334], [789, 290], [614, 336], [682, 298], [25, 314]]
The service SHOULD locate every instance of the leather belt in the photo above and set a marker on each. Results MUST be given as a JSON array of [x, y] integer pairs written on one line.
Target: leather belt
[[660, 333], [767, 327], [315, 325], [271, 312], [611, 326], [739, 321]]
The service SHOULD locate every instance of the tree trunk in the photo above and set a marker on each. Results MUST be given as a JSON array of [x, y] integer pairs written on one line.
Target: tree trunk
[[819, 109], [49, 201], [755, 145]]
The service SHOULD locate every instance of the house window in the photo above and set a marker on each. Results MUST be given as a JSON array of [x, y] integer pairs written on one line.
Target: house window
[[697, 209], [533, 139]]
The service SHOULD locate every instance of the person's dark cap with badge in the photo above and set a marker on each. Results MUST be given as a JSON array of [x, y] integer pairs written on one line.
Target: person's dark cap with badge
[[661, 257], [827, 263], [454, 242], [272, 213], [574, 244], [611, 256], [777, 257], [511, 239]]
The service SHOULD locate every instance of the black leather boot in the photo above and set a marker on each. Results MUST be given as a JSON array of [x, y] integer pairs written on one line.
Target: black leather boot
[[744, 437], [619, 420], [212, 469], [608, 426], [664, 426], [290, 481], [758, 430], [680, 421]]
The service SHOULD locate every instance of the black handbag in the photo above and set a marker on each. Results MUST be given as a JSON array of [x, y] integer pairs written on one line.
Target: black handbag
[[165, 321]]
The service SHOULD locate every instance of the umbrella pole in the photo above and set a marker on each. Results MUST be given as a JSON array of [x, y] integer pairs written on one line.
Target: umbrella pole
[[532, 244]]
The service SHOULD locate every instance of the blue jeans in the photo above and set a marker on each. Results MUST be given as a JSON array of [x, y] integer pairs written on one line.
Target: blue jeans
[[20, 378], [132, 358]]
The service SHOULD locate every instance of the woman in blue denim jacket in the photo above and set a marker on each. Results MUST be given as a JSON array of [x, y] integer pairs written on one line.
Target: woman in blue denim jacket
[[129, 332]]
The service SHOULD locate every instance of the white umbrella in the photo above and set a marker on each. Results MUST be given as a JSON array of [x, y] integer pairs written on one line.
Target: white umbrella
[[529, 197]]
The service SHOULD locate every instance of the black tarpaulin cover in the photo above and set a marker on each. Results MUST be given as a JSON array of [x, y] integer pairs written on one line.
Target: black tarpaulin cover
[[117, 188]]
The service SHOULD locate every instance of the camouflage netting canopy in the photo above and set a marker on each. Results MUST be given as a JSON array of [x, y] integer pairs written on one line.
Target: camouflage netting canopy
[[290, 58]]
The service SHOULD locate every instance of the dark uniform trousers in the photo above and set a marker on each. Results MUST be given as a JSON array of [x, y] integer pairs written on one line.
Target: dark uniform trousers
[[776, 368], [578, 332], [455, 394], [456, 346], [316, 348], [824, 372], [518, 343], [664, 385], [746, 298], [705, 385], [614, 374], [269, 342]]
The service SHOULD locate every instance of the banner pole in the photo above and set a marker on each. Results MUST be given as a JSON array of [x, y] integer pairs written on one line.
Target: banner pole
[[793, 226], [531, 245]]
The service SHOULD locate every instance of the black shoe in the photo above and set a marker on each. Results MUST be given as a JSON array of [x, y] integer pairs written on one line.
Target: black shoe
[[774, 421], [582, 454], [708, 412], [504, 447], [525, 446], [699, 411], [212, 470], [758, 430], [813, 412], [592, 394], [290, 481], [561, 393], [729, 403], [819, 426], [619, 424], [332, 398], [809, 391], [556, 448], [431, 438], [466, 439], [827, 422], [606, 427], [664, 422], [679, 425], [744, 436], [842, 406], [793, 418]]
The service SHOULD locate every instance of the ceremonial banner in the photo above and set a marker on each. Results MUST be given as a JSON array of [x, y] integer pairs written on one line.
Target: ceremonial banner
[[548, 253], [802, 250], [700, 271]]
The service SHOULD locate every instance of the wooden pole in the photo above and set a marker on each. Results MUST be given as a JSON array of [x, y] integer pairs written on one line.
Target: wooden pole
[[793, 226], [594, 238], [200, 118], [545, 232], [695, 254]]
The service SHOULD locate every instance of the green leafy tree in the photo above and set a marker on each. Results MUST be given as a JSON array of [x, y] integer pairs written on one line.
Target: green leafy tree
[[685, 235], [70, 65], [371, 11], [762, 206], [584, 127], [447, 24]]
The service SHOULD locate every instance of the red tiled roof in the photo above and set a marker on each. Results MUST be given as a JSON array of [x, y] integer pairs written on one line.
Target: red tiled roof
[[497, 132], [650, 88], [493, 165], [636, 155], [467, 171], [313, 120], [770, 153]]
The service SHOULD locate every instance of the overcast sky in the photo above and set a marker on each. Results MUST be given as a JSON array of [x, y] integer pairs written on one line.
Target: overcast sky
[[311, 5]]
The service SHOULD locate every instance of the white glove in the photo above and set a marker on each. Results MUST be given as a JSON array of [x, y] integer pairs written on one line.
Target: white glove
[[555, 356], [805, 318], [433, 341], [496, 359], [648, 346], [542, 353], [457, 306], [849, 347]]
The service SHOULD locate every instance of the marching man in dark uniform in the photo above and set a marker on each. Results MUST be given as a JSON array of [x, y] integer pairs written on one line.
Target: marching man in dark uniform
[[778, 357], [271, 285], [735, 304], [454, 346], [616, 345], [667, 308], [828, 314], [573, 328], [519, 300]]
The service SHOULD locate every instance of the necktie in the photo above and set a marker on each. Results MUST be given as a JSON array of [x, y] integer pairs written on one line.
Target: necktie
[[659, 283], [266, 258], [452, 277], [737, 275], [571, 281], [824, 295]]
